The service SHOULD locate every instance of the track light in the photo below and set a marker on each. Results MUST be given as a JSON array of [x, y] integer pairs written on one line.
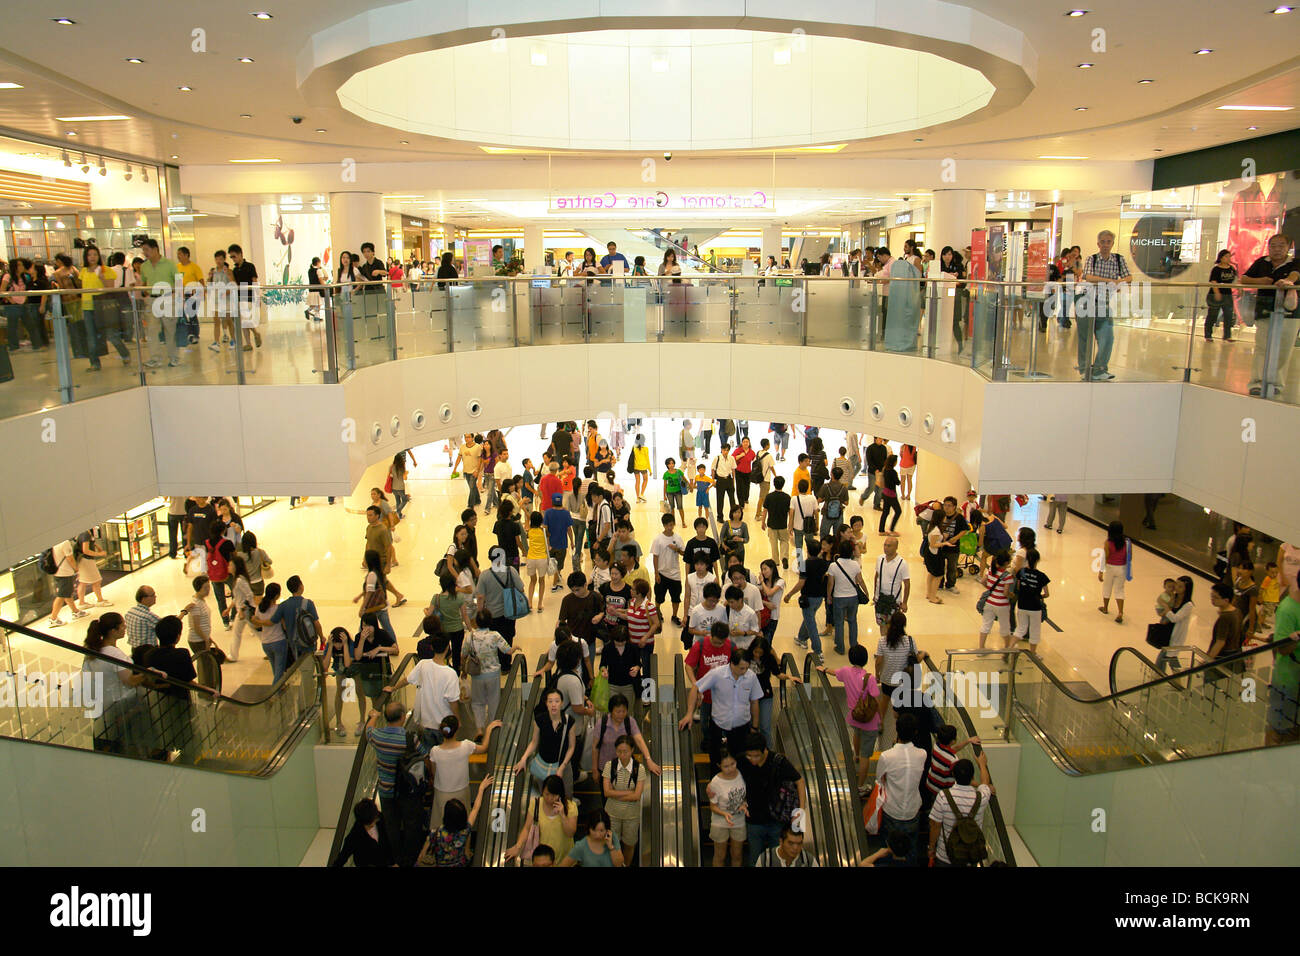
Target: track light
[[144, 173], [128, 174], [103, 168], [67, 160], [85, 166]]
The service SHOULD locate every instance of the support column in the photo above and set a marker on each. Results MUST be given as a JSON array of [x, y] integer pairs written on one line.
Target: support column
[[534, 247], [252, 235], [953, 214], [770, 246], [937, 477], [356, 218]]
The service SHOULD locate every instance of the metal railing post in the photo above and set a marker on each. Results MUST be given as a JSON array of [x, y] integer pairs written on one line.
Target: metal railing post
[[998, 368], [392, 321], [1273, 344], [873, 310], [349, 334], [62, 350], [331, 371], [514, 311], [932, 324], [733, 294], [451, 330]]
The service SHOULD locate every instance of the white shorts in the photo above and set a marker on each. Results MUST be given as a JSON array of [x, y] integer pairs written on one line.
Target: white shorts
[[907, 472], [539, 566], [719, 832], [1029, 622], [1000, 614], [1112, 581]]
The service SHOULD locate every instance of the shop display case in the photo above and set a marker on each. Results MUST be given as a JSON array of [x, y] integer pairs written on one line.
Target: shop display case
[[247, 504], [25, 591], [133, 540]]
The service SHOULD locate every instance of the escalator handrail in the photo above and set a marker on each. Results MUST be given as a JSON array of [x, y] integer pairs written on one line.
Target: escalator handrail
[[656, 780], [154, 676], [825, 829], [994, 807], [1115, 659], [523, 792], [518, 667], [846, 745], [690, 815], [350, 793]]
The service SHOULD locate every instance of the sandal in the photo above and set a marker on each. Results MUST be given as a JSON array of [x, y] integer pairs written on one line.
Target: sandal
[[1119, 619], [935, 600], [1103, 610], [399, 603]]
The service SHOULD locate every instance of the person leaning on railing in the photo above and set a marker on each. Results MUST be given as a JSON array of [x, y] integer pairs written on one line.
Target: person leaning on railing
[[1276, 270], [1284, 687]]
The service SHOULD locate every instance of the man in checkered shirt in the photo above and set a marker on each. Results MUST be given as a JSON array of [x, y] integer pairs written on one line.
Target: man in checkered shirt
[[1107, 270], [140, 621]]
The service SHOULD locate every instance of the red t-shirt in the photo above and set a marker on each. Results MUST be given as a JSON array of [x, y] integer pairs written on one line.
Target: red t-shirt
[[548, 486], [703, 657], [744, 459], [395, 273]]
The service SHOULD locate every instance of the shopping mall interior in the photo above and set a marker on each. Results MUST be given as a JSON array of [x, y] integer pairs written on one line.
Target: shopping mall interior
[[311, 309]]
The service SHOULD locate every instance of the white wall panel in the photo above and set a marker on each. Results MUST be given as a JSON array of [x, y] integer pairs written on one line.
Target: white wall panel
[[762, 381], [305, 425]]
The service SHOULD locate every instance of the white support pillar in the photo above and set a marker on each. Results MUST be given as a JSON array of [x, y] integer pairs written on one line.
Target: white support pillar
[[953, 214], [771, 246], [534, 248], [356, 218]]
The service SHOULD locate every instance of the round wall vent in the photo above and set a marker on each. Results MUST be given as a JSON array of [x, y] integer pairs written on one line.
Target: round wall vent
[[376, 433], [444, 412], [905, 417], [927, 423], [395, 426], [877, 411], [418, 421], [474, 408], [848, 406]]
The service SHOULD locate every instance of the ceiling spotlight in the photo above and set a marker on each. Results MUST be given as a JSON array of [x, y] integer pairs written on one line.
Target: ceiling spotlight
[[1081, 109], [1280, 10], [1158, 150], [1145, 82], [1085, 66], [1202, 51], [185, 89], [65, 22], [245, 59], [1252, 127], [103, 169], [262, 16], [245, 115], [134, 59], [174, 156], [1076, 13], [405, 142], [918, 140], [85, 166], [67, 160], [71, 132], [127, 177], [320, 130]]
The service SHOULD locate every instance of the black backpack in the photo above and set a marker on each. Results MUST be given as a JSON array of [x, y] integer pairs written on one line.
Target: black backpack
[[304, 639], [409, 779], [47, 563]]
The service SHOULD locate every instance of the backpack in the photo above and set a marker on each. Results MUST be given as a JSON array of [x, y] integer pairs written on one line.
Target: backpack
[[613, 774], [48, 563], [218, 567], [867, 706], [408, 776], [965, 843], [726, 427], [834, 508], [304, 639], [514, 601], [631, 461], [996, 537], [809, 521]]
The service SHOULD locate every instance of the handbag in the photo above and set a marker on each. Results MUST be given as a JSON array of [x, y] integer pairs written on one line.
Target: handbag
[[219, 656], [376, 601], [388, 484], [984, 598], [785, 800], [1159, 635], [600, 693], [534, 837], [886, 603], [863, 596]]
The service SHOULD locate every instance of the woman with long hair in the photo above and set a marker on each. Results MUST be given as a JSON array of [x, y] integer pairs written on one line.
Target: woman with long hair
[[274, 641], [116, 727], [348, 276], [1179, 614], [551, 819], [397, 475], [951, 266], [772, 587], [374, 608], [241, 589], [448, 843], [1117, 569], [897, 662]]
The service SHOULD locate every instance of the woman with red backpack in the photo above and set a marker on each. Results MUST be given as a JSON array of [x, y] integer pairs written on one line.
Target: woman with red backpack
[[219, 550]]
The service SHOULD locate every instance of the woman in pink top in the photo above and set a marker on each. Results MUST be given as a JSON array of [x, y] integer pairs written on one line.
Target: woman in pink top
[[1115, 573], [865, 734], [907, 468]]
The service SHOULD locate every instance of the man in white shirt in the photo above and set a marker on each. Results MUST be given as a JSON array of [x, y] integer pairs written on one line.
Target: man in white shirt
[[802, 507], [741, 619], [708, 612], [65, 576], [899, 772], [665, 552], [437, 690], [942, 818], [893, 582], [736, 693], [753, 596]]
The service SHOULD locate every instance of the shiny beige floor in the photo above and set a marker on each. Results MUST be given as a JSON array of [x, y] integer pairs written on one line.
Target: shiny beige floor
[[324, 544]]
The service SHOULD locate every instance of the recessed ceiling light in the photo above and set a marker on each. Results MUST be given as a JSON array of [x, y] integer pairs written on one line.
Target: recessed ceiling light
[[10, 86], [1076, 13], [1252, 128], [918, 140], [405, 142], [185, 89], [174, 156], [245, 59], [1144, 82], [72, 132], [65, 22], [1256, 109], [1085, 66], [1282, 9], [1081, 109], [320, 130], [90, 119], [1159, 150], [254, 160], [245, 115], [262, 16], [134, 59], [1202, 51]]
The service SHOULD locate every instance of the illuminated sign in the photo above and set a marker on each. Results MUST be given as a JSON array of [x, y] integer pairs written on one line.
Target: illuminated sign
[[658, 199]]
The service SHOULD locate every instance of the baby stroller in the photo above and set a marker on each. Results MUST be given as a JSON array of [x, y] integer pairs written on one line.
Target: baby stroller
[[968, 546]]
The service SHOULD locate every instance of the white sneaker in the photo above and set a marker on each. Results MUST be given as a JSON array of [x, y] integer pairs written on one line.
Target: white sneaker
[[152, 363], [79, 614], [342, 733], [173, 363], [215, 347], [55, 622]]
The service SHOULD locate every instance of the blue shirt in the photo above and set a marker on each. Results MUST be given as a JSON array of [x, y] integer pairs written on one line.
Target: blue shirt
[[287, 613], [616, 257], [558, 521], [582, 853], [731, 696]]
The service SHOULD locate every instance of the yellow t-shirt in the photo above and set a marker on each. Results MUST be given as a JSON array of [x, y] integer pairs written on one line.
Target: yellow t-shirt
[[89, 280], [191, 274], [800, 474], [536, 543]]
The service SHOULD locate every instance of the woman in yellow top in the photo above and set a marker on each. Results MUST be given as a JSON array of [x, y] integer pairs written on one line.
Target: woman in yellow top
[[641, 466], [538, 559], [556, 820], [102, 313]]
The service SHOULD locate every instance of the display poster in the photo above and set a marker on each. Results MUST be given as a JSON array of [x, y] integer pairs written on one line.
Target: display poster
[[1036, 262]]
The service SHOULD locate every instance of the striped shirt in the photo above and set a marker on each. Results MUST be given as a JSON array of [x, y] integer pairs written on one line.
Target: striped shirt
[[621, 779], [140, 624], [940, 776], [941, 813], [996, 584], [640, 624], [772, 857], [389, 744], [199, 615]]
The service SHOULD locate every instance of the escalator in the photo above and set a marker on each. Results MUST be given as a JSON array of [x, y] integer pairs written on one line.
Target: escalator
[[826, 707], [674, 795], [506, 802], [162, 720]]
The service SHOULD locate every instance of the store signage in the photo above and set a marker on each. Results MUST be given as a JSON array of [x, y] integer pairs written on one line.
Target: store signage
[[416, 222], [877, 223], [903, 218], [658, 199]]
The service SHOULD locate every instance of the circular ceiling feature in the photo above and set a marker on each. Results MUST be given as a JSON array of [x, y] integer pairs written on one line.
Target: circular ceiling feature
[[691, 89]]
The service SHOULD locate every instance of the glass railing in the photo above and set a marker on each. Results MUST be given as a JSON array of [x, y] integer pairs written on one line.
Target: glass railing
[[1177, 707], [64, 695], [800, 741], [1013, 332], [505, 800], [827, 713], [676, 792]]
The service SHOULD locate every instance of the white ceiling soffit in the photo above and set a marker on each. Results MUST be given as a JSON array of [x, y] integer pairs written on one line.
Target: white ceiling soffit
[[882, 68]]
